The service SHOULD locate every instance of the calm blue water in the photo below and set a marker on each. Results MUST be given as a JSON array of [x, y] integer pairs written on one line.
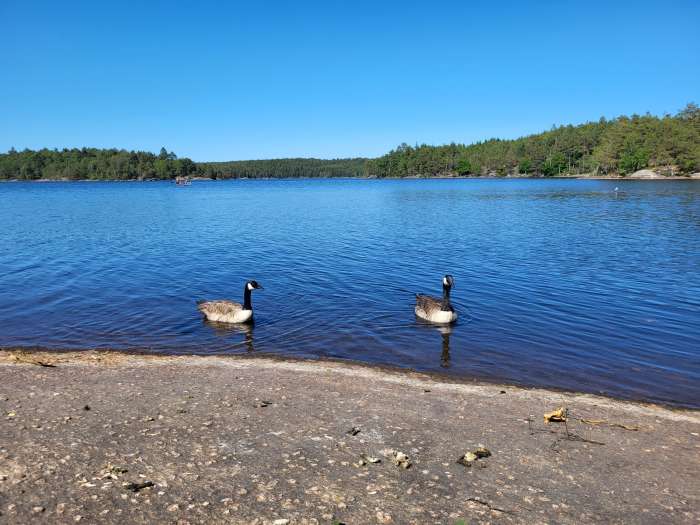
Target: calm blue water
[[559, 283]]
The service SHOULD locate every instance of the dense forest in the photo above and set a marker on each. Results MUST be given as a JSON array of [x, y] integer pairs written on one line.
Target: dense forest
[[114, 164], [668, 144], [283, 168], [93, 164]]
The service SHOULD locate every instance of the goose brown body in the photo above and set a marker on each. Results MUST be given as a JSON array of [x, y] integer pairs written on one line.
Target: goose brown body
[[436, 310], [224, 311]]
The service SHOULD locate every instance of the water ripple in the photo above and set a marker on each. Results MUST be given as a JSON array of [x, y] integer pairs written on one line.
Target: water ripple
[[559, 283]]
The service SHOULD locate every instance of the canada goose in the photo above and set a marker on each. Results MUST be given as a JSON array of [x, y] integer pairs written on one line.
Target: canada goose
[[227, 311], [434, 310]]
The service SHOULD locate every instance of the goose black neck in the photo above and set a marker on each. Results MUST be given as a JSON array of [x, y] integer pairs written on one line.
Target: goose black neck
[[445, 305], [247, 304]]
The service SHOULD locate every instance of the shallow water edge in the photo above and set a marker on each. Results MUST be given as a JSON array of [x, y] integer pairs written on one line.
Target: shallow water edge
[[49, 358]]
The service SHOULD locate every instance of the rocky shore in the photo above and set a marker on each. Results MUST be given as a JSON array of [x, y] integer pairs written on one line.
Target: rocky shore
[[644, 174], [114, 438]]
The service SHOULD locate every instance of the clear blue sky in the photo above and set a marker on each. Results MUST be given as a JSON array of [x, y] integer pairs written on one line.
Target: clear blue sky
[[240, 80]]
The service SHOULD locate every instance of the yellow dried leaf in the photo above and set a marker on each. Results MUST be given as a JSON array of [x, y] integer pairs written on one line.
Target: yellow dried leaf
[[556, 416]]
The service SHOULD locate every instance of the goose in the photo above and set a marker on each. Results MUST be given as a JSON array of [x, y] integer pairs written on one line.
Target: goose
[[434, 310], [222, 311]]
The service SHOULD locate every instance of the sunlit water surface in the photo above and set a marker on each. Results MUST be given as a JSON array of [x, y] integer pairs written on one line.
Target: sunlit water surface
[[559, 283]]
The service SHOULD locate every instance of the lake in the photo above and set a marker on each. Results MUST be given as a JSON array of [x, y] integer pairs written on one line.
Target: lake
[[558, 283]]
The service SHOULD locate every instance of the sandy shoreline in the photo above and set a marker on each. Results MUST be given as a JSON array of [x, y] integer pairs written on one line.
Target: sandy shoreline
[[10, 354], [226, 440]]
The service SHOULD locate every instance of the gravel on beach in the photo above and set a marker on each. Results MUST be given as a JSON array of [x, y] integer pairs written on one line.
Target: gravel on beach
[[105, 437]]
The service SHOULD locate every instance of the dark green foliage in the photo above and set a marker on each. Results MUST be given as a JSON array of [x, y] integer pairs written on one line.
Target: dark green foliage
[[670, 144], [113, 164], [93, 164], [283, 168], [464, 167], [525, 166], [633, 159], [554, 165]]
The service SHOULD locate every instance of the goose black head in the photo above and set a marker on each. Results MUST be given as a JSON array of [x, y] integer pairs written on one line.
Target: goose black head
[[448, 282], [253, 285]]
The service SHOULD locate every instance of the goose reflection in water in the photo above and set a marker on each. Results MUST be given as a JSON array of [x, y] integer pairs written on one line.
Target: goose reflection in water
[[227, 330], [445, 331]]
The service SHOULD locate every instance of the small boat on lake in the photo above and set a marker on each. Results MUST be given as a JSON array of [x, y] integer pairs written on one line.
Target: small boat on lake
[[183, 181]]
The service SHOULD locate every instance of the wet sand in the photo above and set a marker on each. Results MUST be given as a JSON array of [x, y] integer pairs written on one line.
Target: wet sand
[[118, 438]]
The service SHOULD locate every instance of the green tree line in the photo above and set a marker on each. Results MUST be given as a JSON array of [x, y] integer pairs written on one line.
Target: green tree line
[[284, 168], [115, 164], [93, 164], [669, 144]]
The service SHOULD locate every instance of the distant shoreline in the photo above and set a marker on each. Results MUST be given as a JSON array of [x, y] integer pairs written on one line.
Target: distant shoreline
[[692, 177]]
